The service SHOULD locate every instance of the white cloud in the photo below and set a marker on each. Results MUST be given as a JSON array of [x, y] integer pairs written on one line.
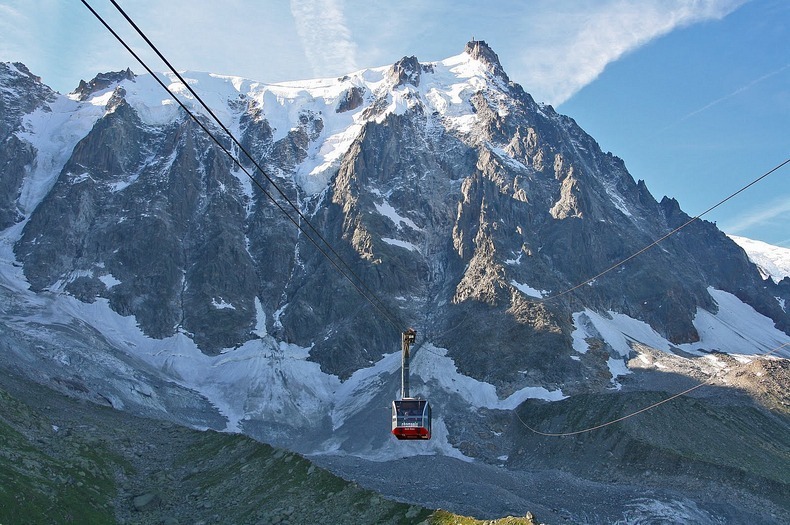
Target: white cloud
[[572, 42], [325, 36]]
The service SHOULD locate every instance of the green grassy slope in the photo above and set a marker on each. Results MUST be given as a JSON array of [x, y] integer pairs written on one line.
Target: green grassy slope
[[63, 461]]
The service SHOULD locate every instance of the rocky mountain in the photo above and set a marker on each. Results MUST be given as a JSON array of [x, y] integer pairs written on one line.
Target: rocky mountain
[[142, 268]]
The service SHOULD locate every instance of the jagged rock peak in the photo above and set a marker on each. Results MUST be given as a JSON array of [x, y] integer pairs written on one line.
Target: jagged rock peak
[[21, 82], [670, 205], [21, 92], [101, 81], [405, 70], [481, 51], [16, 69]]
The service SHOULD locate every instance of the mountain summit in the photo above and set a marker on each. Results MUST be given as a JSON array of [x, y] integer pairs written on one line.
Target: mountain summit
[[471, 211], [483, 53]]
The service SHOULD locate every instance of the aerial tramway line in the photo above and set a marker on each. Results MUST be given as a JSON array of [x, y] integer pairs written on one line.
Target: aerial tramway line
[[411, 416]]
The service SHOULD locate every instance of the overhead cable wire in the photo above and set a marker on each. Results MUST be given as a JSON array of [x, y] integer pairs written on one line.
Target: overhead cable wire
[[243, 149], [359, 286], [673, 232], [637, 412]]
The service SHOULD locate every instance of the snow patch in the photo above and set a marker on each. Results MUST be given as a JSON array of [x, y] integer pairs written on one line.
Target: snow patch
[[401, 244], [221, 304], [617, 368], [528, 290], [386, 209], [109, 280], [516, 261], [260, 319], [618, 330], [617, 199], [277, 314], [508, 159], [736, 328], [439, 371]]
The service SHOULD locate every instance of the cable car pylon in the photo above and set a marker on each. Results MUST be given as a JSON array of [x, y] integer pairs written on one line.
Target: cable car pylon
[[411, 417]]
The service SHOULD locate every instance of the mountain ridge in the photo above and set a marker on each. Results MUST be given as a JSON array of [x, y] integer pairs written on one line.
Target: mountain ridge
[[464, 204]]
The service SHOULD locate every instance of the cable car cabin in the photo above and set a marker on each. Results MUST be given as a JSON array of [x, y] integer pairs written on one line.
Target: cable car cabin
[[411, 418]]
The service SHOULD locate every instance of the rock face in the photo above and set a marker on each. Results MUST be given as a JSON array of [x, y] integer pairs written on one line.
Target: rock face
[[456, 211], [23, 94]]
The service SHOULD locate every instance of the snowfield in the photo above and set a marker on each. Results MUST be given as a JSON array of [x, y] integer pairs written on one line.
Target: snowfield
[[773, 261]]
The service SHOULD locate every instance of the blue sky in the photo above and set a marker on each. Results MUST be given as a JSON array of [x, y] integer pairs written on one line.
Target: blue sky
[[694, 95]]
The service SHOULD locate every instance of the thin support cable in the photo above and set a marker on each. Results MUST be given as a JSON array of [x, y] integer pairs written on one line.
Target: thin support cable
[[637, 412], [655, 243], [241, 147]]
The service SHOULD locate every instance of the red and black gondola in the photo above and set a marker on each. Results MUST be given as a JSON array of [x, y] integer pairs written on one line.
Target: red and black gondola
[[411, 417]]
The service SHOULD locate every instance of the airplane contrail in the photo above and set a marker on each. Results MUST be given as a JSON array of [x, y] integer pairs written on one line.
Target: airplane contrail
[[726, 97]]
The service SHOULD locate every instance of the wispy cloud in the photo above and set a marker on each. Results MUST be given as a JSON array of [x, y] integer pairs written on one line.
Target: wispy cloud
[[13, 25], [573, 47], [738, 91], [759, 217], [325, 37]]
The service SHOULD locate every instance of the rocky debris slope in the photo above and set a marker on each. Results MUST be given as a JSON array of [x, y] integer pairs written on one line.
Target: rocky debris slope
[[718, 455], [726, 443]]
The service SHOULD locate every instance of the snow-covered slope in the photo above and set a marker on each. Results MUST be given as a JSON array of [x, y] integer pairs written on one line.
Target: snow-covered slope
[[773, 261]]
